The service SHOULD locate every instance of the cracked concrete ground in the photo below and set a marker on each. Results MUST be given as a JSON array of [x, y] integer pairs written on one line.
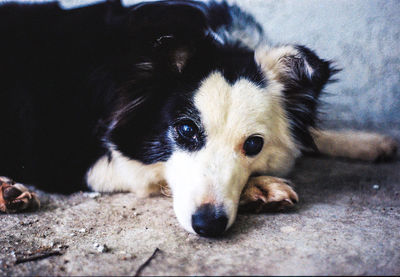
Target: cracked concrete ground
[[347, 222]]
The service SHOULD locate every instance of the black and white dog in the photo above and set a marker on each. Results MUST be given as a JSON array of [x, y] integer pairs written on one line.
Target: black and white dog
[[171, 95]]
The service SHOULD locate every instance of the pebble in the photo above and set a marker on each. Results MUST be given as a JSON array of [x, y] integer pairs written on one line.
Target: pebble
[[128, 257], [83, 230], [92, 195], [102, 248], [288, 229]]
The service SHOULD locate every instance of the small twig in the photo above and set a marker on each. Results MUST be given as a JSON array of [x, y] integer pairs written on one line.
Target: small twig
[[38, 257], [146, 263]]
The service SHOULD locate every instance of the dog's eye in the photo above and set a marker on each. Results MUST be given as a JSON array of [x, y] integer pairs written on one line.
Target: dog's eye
[[253, 145], [187, 130]]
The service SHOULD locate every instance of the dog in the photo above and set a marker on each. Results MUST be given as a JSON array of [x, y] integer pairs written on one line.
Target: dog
[[185, 98]]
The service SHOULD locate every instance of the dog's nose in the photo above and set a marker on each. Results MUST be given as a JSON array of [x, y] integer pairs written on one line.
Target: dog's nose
[[209, 221]]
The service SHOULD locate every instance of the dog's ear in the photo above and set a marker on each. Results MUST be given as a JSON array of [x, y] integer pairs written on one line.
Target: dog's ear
[[303, 75], [169, 29], [172, 52]]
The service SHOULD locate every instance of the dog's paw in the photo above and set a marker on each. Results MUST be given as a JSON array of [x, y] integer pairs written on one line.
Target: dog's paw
[[365, 146], [16, 197], [265, 193], [373, 147], [382, 148]]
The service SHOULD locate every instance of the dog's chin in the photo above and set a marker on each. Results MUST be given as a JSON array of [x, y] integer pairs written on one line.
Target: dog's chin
[[184, 215]]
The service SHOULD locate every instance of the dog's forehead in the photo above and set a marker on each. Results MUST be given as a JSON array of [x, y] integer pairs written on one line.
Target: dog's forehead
[[237, 110]]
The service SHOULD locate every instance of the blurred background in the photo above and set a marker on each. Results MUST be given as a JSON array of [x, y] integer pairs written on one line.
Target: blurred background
[[361, 36]]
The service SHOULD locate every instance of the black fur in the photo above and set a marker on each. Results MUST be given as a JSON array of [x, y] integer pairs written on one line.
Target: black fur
[[74, 82], [302, 93]]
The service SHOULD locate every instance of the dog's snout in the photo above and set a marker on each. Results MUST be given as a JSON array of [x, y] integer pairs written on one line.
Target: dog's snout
[[209, 220]]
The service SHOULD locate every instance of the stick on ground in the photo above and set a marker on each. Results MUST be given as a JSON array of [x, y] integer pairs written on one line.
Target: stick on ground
[[38, 257], [146, 263]]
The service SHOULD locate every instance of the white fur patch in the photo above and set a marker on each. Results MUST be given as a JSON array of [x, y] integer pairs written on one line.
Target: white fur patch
[[309, 69], [270, 60], [218, 172], [122, 174]]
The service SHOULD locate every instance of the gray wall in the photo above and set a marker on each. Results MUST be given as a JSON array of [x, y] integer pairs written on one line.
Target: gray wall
[[362, 36]]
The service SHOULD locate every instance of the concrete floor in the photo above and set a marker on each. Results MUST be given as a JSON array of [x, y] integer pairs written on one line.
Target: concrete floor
[[347, 222]]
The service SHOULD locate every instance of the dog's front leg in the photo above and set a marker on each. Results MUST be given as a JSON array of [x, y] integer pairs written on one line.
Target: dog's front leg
[[116, 172], [266, 193], [358, 145]]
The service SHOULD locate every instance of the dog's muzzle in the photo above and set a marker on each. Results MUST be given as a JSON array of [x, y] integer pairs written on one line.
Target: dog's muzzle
[[209, 220]]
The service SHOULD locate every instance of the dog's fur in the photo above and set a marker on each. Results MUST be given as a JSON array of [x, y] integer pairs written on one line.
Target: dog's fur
[[98, 97]]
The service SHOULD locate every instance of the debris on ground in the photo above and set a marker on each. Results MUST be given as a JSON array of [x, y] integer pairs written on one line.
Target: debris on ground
[[147, 262], [92, 195], [39, 254], [102, 248]]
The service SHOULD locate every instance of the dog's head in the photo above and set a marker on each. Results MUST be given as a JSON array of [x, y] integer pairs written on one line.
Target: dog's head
[[215, 114]]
